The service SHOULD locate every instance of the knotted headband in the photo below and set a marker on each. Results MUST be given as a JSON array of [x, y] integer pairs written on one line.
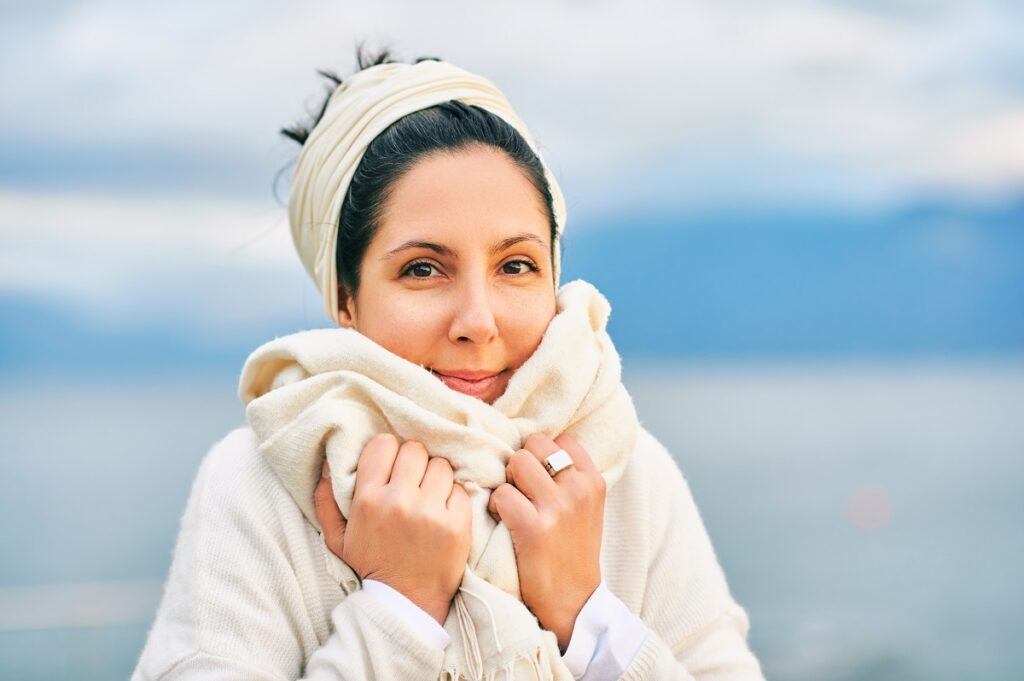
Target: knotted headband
[[360, 109]]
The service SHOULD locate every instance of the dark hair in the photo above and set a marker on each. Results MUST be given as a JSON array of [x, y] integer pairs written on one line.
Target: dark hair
[[448, 126]]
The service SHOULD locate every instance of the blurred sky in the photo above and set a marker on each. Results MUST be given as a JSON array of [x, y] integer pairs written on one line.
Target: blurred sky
[[139, 143]]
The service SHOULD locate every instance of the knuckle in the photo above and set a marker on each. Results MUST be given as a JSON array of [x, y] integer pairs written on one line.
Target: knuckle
[[581, 496], [566, 504], [413, 451], [504, 489], [384, 439], [413, 447], [535, 440], [519, 458], [546, 522], [498, 493], [565, 439], [370, 503], [440, 463], [586, 488], [393, 500]]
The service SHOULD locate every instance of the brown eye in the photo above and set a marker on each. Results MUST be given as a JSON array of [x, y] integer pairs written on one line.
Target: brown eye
[[518, 267], [418, 270]]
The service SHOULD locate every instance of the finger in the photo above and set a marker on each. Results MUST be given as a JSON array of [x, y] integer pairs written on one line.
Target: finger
[[580, 456], [542, 446], [375, 462], [530, 477], [437, 481], [332, 522], [514, 509], [458, 501], [410, 465]]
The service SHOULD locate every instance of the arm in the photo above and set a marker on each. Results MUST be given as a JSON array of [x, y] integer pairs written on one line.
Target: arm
[[605, 638], [697, 630], [246, 572], [686, 599], [369, 641], [674, 579], [608, 638]]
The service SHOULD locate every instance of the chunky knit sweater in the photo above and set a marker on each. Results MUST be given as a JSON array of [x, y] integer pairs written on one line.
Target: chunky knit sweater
[[250, 596]]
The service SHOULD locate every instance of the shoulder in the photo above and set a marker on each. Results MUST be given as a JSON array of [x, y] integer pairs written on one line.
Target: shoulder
[[653, 468], [244, 561], [235, 482], [647, 511], [657, 478], [234, 452], [652, 490], [652, 454]]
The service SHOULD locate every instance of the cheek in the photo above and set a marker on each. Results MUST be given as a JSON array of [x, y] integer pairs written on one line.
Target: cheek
[[404, 325], [525, 324]]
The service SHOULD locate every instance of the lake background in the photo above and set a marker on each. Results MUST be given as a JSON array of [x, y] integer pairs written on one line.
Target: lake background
[[867, 515], [808, 218]]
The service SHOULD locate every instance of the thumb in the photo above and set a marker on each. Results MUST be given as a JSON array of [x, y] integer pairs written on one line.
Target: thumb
[[332, 522], [492, 507]]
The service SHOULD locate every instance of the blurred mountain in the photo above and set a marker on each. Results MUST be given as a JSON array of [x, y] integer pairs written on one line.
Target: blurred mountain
[[932, 278], [39, 336]]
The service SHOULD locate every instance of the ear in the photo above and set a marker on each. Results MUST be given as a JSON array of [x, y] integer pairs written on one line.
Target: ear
[[346, 308]]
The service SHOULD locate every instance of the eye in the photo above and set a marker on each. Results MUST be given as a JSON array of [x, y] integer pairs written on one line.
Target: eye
[[519, 267], [419, 269]]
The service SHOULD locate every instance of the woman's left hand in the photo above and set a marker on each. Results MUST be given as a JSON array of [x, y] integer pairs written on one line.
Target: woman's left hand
[[556, 526]]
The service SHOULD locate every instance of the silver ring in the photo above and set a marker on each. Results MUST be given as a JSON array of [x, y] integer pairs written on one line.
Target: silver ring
[[557, 461]]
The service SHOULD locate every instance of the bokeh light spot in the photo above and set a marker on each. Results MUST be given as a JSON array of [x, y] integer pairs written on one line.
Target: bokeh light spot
[[870, 507]]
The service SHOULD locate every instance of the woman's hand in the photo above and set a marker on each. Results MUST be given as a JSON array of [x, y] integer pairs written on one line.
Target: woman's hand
[[409, 526], [556, 526]]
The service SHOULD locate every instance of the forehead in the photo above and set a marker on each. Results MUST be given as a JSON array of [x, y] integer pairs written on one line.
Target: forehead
[[477, 193]]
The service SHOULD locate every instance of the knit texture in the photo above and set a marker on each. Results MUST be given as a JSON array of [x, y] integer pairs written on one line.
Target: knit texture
[[249, 595], [254, 593], [327, 392]]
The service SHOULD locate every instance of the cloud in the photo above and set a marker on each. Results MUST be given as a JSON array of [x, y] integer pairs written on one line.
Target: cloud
[[885, 91], [213, 266]]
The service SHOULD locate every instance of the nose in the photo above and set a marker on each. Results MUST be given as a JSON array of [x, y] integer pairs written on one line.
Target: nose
[[473, 319]]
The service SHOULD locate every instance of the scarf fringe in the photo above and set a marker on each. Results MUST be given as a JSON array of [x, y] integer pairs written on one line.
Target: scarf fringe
[[471, 644], [505, 673]]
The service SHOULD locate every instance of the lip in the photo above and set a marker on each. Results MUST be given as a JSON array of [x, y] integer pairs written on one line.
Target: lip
[[474, 383]]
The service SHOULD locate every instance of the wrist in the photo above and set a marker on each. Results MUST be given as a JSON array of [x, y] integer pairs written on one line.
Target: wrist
[[562, 623], [419, 619], [436, 607], [438, 612]]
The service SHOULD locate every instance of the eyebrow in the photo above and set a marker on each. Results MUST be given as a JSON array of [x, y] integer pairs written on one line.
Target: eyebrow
[[441, 249]]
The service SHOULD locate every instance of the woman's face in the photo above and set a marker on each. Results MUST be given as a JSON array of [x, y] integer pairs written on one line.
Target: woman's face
[[458, 277]]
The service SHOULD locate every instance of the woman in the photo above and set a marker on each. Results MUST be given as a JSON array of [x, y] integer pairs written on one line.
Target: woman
[[453, 484]]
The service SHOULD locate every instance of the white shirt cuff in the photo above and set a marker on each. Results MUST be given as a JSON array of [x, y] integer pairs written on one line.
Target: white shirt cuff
[[417, 617], [605, 638]]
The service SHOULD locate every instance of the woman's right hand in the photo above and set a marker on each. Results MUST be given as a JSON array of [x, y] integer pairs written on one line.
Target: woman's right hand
[[409, 525]]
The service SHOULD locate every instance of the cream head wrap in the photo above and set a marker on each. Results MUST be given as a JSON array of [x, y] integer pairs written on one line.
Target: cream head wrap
[[359, 110]]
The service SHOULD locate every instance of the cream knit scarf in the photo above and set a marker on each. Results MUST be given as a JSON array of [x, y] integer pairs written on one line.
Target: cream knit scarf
[[326, 392]]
